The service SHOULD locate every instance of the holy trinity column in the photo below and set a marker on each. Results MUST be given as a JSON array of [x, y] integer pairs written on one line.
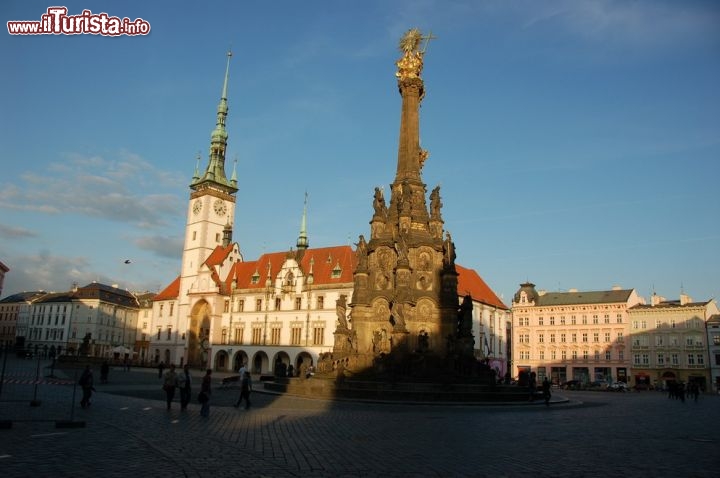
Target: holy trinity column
[[405, 285]]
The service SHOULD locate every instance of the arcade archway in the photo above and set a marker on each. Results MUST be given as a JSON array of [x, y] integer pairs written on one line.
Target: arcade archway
[[199, 333]]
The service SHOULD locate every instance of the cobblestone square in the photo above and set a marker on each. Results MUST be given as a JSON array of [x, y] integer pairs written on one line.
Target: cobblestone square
[[128, 431]]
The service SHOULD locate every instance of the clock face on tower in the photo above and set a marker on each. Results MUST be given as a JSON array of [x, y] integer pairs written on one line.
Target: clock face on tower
[[197, 206], [220, 207]]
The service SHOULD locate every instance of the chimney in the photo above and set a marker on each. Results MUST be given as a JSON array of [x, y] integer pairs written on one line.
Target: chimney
[[656, 299], [685, 299]]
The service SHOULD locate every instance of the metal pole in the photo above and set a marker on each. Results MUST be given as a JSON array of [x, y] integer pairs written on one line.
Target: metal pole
[[35, 402], [2, 374], [72, 406]]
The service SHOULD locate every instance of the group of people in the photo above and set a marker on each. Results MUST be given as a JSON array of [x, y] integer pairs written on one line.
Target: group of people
[[173, 381], [678, 390], [532, 388], [182, 381]]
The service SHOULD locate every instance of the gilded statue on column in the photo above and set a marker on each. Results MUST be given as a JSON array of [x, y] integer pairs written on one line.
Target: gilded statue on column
[[411, 63]]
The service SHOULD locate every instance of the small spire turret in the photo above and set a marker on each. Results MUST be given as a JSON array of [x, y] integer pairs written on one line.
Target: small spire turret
[[302, 242]]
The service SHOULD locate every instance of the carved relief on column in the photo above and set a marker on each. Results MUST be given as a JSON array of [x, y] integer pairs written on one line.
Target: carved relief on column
[[377, 228]]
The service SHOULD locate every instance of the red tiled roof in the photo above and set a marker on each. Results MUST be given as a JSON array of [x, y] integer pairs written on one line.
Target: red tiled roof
[[325, 259], [170, 292], [219, 255], [470, 282]]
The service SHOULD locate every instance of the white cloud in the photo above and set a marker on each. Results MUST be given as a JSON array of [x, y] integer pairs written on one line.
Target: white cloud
[[164, 246], [640, 23], [124, 188], [48, 272], [9, 232]]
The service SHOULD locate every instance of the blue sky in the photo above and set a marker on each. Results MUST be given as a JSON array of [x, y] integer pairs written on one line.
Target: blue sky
[[576, 142]]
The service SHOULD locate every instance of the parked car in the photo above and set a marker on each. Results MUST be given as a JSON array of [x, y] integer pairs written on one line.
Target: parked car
[[571, 385], [599, 385], [618, 387]]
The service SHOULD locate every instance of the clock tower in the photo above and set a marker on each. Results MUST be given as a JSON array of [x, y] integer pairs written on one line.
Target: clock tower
[[211, 208]]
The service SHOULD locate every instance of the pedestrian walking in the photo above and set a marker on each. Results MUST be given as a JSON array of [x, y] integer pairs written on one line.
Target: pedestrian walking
[[532, 386], [104, 372], [161, 367], [205, 392], [169, 384], [245, 389], [546, 391], [86, 382], [185, 386], [241, 374], [695, 390]]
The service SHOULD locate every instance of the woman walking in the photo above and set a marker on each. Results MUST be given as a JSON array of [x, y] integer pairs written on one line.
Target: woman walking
[[205, 392], [169, 384], [185, 386]]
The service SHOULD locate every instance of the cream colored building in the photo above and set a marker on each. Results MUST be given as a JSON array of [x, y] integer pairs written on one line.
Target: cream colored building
[[713, 337], [572, 335], [668, 341]]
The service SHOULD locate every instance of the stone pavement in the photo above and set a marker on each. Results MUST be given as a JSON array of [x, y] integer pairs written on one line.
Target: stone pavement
[[129, 433]]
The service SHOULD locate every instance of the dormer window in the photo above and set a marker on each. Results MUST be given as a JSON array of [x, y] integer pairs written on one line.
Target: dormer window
[[336, 272], [255, 279]]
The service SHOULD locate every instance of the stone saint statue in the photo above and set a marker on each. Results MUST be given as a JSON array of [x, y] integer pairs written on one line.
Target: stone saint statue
[[340, 310], [435, 203], [449, 249], [361, 252], [379, 203]]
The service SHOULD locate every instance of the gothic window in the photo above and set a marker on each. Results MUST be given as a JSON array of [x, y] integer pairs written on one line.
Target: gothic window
[[318, 335], [275, 336], [256, 336], [296, 336]]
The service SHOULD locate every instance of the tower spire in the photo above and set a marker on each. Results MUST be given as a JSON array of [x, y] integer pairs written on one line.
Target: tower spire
[[302, 242], [215, 172]]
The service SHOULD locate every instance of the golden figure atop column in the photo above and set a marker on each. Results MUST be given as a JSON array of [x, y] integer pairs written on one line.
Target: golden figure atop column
[[411, 63]]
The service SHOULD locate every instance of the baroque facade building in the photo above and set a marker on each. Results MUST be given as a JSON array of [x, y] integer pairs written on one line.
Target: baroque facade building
[[713, 340], [14, 317], [572, 335], [669, 341], [97, 320]]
